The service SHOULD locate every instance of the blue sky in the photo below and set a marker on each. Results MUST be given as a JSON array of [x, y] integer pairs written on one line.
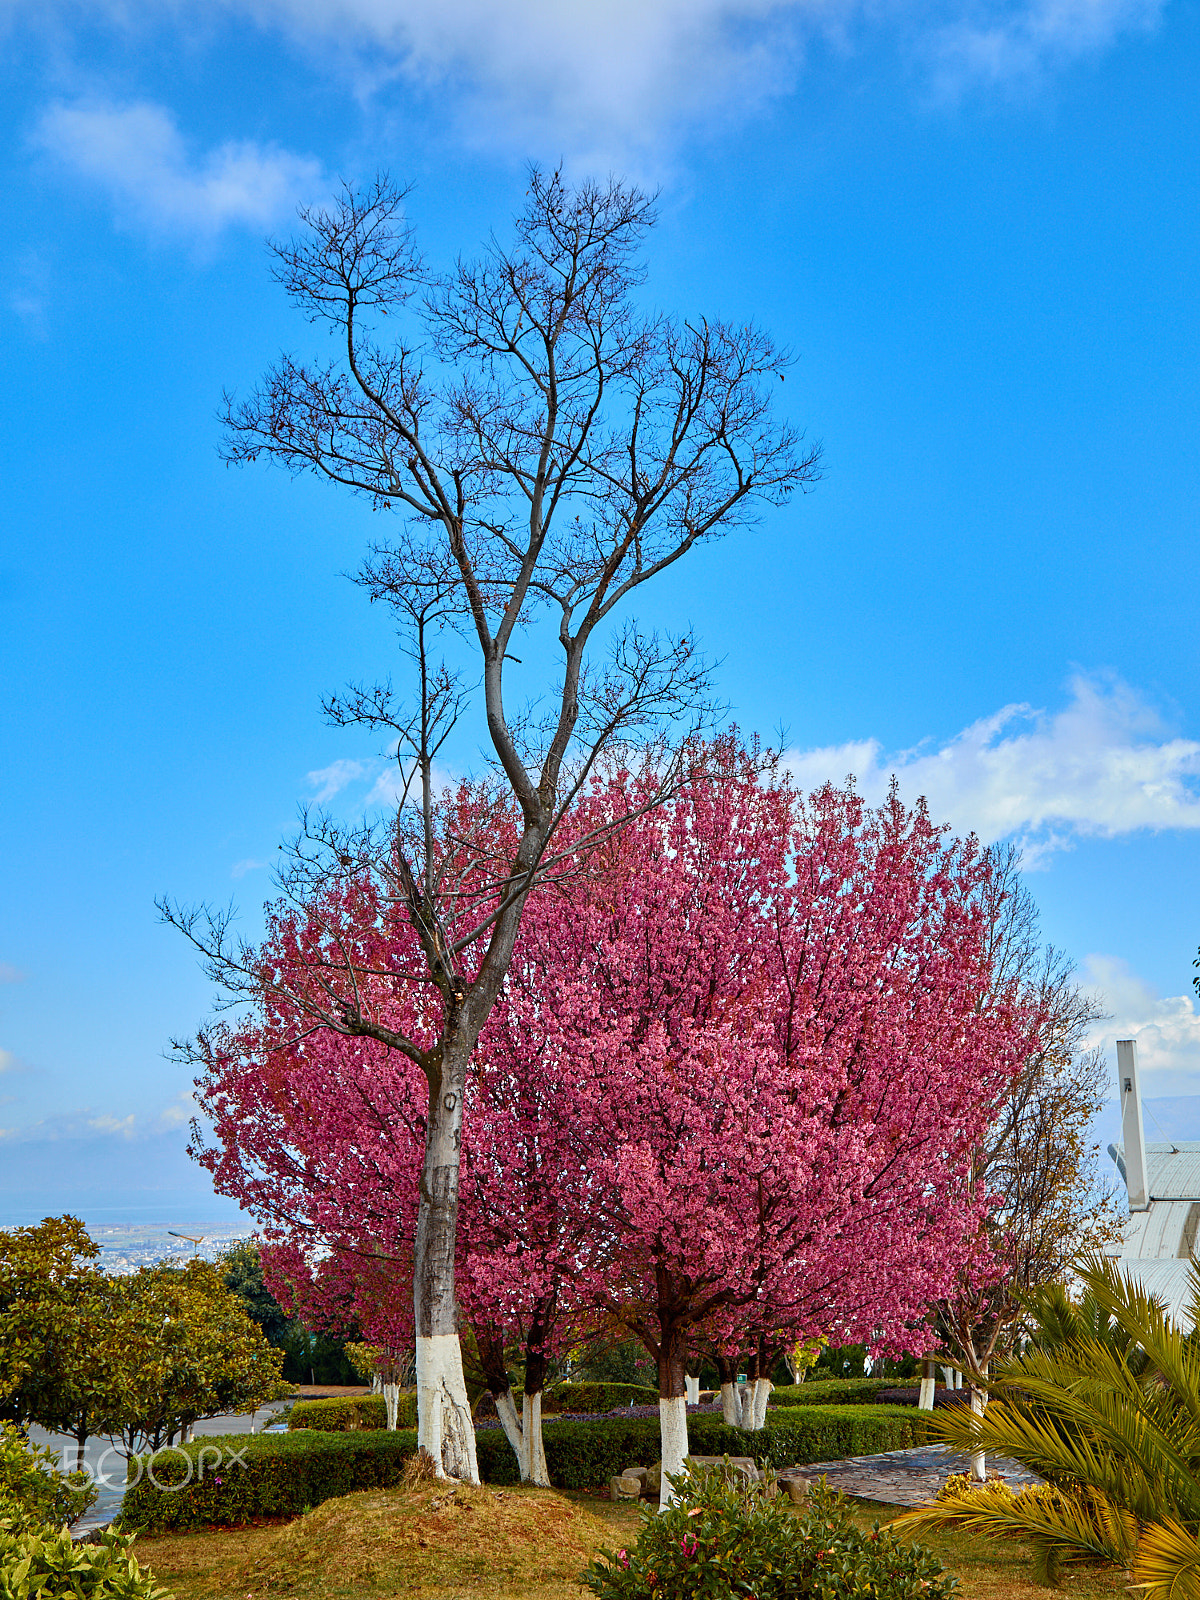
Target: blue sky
[[977, 225]]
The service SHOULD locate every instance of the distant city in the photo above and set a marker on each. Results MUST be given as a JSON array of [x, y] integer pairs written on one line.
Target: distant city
[[124, 1247]]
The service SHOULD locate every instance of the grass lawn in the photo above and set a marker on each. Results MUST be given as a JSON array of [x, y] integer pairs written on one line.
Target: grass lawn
[[491, 1544]]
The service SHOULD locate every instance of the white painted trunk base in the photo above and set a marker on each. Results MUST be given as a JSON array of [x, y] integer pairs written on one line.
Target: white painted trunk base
[[444, 1426], [730, 1406], [524, 1432], [535, 1445], [672, 1426], [758, 1402], [925, 1399], [691, 1391], [506, 1410], [391, 1399], [978, 1457]]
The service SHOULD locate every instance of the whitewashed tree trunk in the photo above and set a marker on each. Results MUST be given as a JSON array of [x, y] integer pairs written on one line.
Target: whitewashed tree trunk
[[756, 1401], [730, 1406], [376, 1383], [445, 1427], [691, 1390], [925, 1398], [979, 1457], [535, 1445], [506, 1410], [672, 1423], [391, 1399]]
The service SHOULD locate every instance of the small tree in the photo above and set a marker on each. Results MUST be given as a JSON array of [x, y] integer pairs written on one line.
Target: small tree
[[44, 1272], [1037, 1162], [187, 1350], [551, 446]]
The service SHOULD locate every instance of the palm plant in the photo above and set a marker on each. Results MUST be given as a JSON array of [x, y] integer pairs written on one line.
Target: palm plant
[[1105, 1406]]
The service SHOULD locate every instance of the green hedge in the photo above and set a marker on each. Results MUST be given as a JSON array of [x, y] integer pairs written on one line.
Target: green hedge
[[831, 1392], [285, 1474], [345, 1416], [597, 1396]]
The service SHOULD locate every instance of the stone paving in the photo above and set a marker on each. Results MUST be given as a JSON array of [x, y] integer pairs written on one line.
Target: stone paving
[[904, 1477]]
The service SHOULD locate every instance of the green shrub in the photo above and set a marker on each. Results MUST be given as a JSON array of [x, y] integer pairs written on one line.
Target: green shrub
[[285, 1473], [347, 1416], [229, 1480], [585, 1455], [721, 1539], [831, 1392], [597, 1396], [40, 1563], [33, 1489]]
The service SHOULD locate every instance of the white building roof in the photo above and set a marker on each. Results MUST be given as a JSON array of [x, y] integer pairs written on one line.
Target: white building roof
[[1167, 1281], [1166, 1232], [1173, 1170]]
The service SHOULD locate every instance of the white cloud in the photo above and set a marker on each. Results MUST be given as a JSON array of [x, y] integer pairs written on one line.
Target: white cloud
[[9, 974], [105, 1125], [331, 780], [1104, 765], [615, 81], [239, 869], [137, 154], [1167, 1028], [1019, 43], [8, 1061]]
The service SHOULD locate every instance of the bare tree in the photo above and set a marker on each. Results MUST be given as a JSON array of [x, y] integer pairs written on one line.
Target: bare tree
[[1052, 1200], [551, 446]]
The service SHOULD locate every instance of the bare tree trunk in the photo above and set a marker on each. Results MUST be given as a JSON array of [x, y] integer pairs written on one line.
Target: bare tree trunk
[[445, 1429]]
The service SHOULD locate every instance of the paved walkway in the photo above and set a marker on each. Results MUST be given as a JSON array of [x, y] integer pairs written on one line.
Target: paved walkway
[[904, 1477]]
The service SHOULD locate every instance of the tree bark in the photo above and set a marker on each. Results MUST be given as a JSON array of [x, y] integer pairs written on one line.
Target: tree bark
[[979, 1401], [758, 1395], [531, 1408], [391, 1399], [730, 1410], [445, 1429], [928, 1385], [672, 1412]]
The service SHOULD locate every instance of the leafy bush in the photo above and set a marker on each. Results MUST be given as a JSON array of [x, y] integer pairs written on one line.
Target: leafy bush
[[597, 1396], [259, 1475], [37, 1561], [831, 1392], [33, 1489], [346, 1416], [721, 1539]]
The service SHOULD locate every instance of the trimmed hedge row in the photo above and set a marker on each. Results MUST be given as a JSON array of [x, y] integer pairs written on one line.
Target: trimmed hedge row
[[282, 1474], [832, 1392], [597, 1396], [285, 1474], [348, 1415]]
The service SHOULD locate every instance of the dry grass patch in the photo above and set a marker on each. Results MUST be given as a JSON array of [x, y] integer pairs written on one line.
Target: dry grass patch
[[445, 1542], [998, 1569]]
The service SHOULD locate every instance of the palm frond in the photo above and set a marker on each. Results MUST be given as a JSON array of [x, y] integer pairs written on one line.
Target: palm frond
[[1167, 1565]]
